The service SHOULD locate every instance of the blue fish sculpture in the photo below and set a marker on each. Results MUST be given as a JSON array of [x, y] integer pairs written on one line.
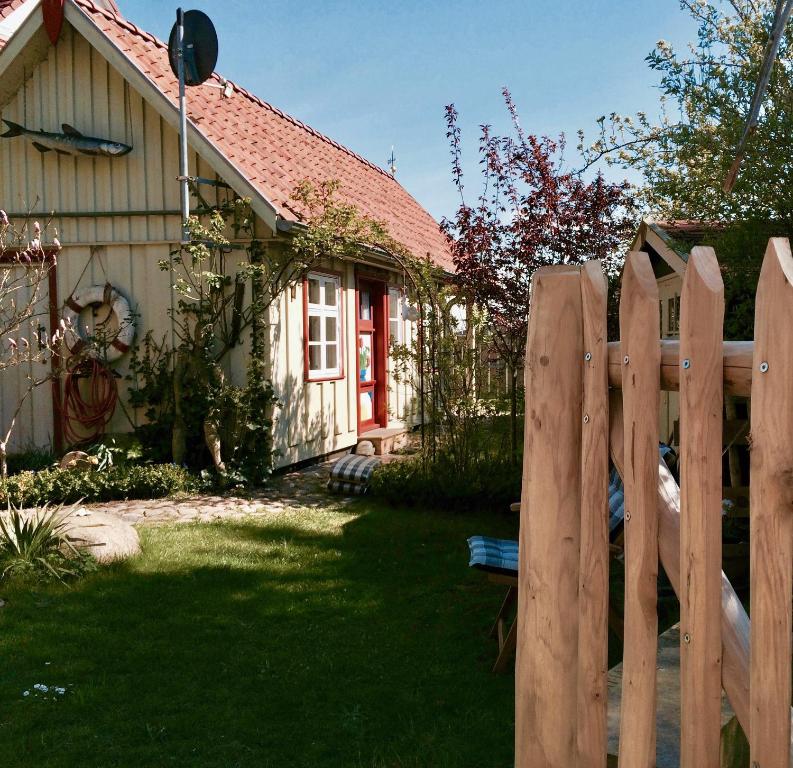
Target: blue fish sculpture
[[68, 142]]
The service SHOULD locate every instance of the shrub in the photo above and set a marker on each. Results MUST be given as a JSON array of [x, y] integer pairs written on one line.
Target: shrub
[[32, 460], [38, 545], [489, 483], [147, 481]]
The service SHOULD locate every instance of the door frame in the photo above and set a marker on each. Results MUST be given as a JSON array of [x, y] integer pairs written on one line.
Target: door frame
[[379, 330]]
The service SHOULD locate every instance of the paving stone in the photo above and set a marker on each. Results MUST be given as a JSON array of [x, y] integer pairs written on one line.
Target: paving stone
[[301, 488]]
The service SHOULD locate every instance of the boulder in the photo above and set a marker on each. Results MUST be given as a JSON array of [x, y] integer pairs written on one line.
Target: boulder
[[108, 537], [105, 536], [78, 460], [365, 448]]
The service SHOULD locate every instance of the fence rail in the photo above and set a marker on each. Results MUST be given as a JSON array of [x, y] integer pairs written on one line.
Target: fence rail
[[573, 423]]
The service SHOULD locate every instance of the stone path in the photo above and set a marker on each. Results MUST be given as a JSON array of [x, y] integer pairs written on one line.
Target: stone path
[[301, 488]]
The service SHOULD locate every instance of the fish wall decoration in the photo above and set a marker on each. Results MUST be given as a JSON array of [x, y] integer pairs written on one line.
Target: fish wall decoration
[[68, 142]]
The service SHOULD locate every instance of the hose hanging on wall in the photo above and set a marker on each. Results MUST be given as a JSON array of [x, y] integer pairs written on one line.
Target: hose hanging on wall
[[87, 410]]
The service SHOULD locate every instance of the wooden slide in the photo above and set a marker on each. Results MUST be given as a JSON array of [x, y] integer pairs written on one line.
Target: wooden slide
[[734, 620]]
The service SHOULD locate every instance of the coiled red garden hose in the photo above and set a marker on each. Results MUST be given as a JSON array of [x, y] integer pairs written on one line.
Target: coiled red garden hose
[[90, 394]]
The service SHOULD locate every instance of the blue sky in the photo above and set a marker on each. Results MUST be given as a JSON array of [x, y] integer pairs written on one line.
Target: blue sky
[[371, 74]]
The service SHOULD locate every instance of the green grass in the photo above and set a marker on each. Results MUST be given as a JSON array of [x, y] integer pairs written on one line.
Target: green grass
[[353, 637]]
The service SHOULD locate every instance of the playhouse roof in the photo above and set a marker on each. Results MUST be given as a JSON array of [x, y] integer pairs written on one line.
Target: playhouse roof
[[267, 148]]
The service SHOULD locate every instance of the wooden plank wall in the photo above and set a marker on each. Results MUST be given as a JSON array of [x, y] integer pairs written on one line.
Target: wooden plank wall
[[76, 85], [34, 422]]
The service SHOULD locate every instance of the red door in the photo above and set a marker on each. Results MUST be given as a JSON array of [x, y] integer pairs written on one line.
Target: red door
[[371, 355]]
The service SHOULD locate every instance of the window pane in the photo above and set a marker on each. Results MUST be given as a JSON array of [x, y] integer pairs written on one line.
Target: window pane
[[365, 357], [331, 353], [313, 290], [314, 357], [393, 329], [330, 329], [314, 328], [366, 407], [366, 305], [330, 293], [393, 304]]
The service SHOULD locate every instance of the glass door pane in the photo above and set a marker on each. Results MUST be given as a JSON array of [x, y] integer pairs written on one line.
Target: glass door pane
[[365, 358]]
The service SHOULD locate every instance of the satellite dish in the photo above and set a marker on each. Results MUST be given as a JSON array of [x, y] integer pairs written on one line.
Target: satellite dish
[[200, 47]]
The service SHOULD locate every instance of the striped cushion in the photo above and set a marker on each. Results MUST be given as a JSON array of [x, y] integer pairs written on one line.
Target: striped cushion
[[501, 555], [347, 489], [351, 474], [494, 555], [616, 500]]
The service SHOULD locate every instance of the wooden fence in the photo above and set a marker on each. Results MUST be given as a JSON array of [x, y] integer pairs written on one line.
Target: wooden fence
[[588, 400]]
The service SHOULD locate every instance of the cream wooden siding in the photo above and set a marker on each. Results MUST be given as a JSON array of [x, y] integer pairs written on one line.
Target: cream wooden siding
[[34, 422], [317, 418], [314, 418], [76, 85]]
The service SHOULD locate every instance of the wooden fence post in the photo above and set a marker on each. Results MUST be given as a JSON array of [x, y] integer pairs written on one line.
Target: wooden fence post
[[546, 664], [593, 592], [771, 510], [641, 351], [701, 402]]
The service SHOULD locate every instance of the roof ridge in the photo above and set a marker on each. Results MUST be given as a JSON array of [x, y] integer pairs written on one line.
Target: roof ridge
[[130, 27]]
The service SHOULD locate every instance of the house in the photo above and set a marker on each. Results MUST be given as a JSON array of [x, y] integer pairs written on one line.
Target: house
[[668, 244], [117, 217]]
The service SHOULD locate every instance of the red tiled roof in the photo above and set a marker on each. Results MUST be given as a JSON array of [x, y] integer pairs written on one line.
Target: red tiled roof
[[275, 151], [8, 6]]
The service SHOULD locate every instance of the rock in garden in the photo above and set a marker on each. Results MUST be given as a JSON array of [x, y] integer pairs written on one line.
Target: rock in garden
[[365, 448], [78, 460], [108, 537]]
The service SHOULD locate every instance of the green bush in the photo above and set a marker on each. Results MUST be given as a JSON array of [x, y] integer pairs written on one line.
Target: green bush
[[33, 460], [489, 483], [146, 481]]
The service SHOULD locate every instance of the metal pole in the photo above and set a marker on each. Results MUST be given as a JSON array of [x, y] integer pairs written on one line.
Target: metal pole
[[185, 190]]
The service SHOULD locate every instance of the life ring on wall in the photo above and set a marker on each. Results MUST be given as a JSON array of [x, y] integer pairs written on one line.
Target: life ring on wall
[[119, 306]]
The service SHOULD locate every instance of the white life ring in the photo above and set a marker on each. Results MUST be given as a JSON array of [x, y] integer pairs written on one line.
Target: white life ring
[[119, 306]]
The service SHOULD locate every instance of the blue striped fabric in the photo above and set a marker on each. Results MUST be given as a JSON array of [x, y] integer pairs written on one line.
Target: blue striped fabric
[[495, 555], [616, 500], [501, 555]]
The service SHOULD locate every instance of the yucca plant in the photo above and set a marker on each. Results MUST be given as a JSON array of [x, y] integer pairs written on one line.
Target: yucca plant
[[38, 544]]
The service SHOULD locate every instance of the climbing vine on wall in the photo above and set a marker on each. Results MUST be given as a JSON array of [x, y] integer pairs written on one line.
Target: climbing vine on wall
[[193, 413]]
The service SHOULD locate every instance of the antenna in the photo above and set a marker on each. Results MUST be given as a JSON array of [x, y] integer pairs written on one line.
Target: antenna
[[193, 54], [392, 162]]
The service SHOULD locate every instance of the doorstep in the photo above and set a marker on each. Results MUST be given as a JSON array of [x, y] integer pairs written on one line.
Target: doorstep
[[385, 439]]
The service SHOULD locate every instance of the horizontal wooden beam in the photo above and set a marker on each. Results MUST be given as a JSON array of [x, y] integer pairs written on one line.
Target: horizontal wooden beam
[[737, 366]]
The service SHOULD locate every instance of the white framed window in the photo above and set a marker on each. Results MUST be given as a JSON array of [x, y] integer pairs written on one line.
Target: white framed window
[[394, 316], [323, 326]]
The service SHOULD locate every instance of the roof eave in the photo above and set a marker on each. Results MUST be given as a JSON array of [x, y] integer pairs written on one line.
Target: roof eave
[[369, 253]]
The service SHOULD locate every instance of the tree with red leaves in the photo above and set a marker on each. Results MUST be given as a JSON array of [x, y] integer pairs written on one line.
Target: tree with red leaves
[[530, 212]]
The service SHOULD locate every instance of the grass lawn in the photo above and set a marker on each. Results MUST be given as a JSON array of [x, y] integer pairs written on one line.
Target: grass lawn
[[354, 637]]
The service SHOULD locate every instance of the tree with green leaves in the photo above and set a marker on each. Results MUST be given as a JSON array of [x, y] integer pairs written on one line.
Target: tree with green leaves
[[685, 154], [706, 93]]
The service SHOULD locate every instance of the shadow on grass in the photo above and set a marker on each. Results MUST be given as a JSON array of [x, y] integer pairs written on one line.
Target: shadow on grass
[[318, 638]]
